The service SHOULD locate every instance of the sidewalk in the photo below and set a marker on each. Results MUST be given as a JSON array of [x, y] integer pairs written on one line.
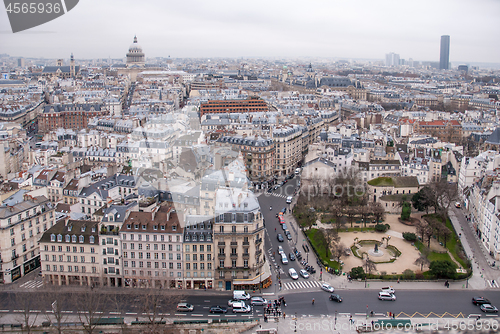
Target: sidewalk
[[340, 324]]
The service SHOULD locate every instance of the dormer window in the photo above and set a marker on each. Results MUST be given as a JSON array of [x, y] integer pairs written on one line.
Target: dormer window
[[129, 226], [136, 226], [84, 228], [162, 227], [174, 228], [73, 238], [202, 238], [81, 239], [70, 227], [194, 237], [91, 239], [67, 238], [155, 227], [59, 238], [143, 227], [52, 237], [186, 238]]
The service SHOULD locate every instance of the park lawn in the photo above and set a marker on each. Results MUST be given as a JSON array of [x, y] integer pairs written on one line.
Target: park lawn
[[434, 256], [321, 251], [452, 244], [381, 181]]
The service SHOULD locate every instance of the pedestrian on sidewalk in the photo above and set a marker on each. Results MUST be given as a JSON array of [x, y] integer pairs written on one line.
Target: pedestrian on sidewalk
[[284, 315]]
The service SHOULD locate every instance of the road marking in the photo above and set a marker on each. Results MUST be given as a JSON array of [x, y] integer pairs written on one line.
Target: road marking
[[115, 313], [18, 311], [231, 315], [131, 313], [197, 315], [65, 311], [206, 306], [214, 315], [5, 311], [268, 294], [359, 313], [35, 311], [206, 301], [98, 312]]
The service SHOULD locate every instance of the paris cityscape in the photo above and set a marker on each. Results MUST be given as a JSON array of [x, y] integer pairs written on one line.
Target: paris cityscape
[[151, 186]]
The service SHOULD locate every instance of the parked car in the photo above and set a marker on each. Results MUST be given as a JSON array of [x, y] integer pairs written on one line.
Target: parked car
[[258, 301], [218, 309], [488, 308], [288, 235], [386, 296], [289, 199], [480, 300], [293, 273], [291, 257], [280, 237], [388, 289], [283, 210], [335, 298], [304, 273], [283, 226], [327, 287], [185, 307]]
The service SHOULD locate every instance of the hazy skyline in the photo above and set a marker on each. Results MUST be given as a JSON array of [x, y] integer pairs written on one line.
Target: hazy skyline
[[199, 29]]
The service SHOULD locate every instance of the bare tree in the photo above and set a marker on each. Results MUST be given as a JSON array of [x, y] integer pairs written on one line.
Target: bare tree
[[421, 227], [155, 304], [336, 213], [378, 211], [428, 232], [331, 237], [445, 233], [29, 305], [338, 251], [351, 212], [90, 306], [57, 302], [365, 213], [370, 266], [422, 261]]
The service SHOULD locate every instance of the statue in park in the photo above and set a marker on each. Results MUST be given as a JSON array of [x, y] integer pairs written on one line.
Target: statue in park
[[376, 247]]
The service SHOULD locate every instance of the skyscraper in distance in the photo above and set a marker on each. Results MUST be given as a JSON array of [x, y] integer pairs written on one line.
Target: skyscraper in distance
[[444, 57]]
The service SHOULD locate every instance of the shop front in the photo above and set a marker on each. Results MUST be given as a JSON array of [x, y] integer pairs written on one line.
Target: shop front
[[31, 264]]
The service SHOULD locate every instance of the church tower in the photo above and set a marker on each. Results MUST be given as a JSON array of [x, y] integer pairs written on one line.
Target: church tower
[[72, 66]]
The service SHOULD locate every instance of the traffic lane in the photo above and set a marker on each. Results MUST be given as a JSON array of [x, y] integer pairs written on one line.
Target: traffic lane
[[408, 301], [202, 306]]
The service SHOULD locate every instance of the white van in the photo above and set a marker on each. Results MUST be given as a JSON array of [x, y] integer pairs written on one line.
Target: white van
[[284, 259], [241, 307], [241, 295], [297, 171]]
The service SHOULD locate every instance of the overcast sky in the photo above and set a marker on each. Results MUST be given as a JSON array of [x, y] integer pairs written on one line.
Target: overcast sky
[[265, 28]]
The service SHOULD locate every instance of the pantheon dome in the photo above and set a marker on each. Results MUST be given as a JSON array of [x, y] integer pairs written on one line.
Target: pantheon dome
[[135, 56]]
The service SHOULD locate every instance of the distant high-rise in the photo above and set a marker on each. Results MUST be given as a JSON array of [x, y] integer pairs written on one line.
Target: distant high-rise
[[392, 59], [444, 58]]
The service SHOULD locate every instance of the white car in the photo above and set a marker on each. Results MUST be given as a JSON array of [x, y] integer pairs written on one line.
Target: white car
[[289, 199], [386, 296], [280, 249], [293, 273], [388, 289], [284, 259], [304, 273], [327, 287]]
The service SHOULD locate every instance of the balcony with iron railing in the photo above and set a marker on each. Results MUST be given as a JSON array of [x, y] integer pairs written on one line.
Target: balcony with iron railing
[[221, 255], [234, 255]]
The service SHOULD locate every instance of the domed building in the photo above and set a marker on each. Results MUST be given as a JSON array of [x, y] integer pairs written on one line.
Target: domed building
[[135, 56]]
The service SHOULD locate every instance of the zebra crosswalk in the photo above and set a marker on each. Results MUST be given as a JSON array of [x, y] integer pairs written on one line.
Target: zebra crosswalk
[[301, 285], [493, 284], [31, 284]]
